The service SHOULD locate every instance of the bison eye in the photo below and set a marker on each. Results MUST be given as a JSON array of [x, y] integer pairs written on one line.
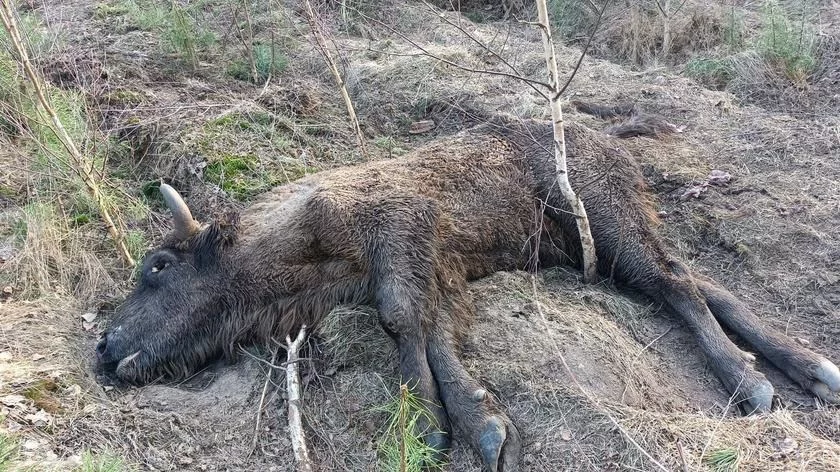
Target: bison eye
[[159, 266]]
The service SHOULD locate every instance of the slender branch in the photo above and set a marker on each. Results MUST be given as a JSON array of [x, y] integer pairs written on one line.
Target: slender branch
[[323, 48], [585, 50], [588, 256], [302, 457], [80, 164], [426, 52], [484, 46], [262, 400]]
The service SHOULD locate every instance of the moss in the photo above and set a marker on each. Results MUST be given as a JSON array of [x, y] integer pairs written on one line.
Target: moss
[[248, 153], [242, 177], [125, 97], [42, 394], [105, 10]]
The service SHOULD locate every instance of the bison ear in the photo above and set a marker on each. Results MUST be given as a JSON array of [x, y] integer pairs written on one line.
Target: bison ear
[[211, 241]]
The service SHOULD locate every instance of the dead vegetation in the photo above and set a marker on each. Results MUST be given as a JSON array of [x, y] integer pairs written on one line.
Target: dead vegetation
[[770, 234]]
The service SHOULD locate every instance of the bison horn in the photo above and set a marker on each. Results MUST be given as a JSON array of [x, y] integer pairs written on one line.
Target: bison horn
[[185, 225]]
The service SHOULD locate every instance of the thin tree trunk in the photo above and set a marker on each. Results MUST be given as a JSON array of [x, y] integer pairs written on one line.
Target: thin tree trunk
[[589, 259], [321, 42], [79, 164]]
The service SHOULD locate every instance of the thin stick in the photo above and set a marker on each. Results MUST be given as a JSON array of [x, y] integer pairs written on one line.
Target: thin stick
[[321, 44], [304, 462], [262, 401], [80, 164], [681, 452]]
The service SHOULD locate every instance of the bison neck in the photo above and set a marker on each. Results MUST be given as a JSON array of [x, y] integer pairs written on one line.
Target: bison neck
[[276, 296]]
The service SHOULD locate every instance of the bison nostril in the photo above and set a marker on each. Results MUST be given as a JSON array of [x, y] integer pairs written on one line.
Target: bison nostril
[[102, 345]]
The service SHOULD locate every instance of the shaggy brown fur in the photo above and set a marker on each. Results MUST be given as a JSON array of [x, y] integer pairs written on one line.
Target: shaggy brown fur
[[405, 235], [638, 124]]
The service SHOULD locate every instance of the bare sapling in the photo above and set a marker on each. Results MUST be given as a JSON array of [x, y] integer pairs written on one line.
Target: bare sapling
[[298, 436], [79, 164], [589, 259], [323, 48]]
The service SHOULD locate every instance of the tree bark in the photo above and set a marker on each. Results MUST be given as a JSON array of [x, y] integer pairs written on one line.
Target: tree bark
[[298, 436], [589, 259]]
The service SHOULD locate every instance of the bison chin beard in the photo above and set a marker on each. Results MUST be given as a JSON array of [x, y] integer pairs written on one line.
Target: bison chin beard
[[158, 364]]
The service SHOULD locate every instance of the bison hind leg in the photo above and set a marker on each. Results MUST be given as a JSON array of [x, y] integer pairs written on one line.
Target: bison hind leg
[[811, 370]]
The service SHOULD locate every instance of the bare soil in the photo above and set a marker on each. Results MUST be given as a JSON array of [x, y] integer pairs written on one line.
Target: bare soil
[[639, 392]]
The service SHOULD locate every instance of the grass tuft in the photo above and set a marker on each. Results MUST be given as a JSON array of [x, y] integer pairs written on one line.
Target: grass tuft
[[723, 460], [402, 447], [101, 463], [9, 449]]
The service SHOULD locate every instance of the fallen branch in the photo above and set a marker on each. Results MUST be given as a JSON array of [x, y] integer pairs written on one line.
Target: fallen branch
[[262, 401], [304, 462]]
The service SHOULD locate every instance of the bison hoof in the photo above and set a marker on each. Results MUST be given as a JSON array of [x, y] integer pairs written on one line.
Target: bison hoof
[[500, 445], [759, 396], [827, 382]]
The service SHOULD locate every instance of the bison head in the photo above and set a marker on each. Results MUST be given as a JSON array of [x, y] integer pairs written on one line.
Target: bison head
[[171, 324]]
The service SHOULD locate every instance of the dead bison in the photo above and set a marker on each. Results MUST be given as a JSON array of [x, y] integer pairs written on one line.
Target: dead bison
[[406, 235]]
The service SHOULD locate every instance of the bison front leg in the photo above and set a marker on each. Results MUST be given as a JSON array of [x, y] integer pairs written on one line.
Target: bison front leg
[[475, 415], [400, 253]]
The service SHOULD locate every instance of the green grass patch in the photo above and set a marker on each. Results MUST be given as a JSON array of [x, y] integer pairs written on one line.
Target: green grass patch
[[789, 44], [101, 463], [723, 460], [9, 450], [402, 446], [714, 73], [267, 60]]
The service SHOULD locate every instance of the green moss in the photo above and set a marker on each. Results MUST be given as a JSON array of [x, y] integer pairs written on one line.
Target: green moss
[[109, 9], [125, 97], [242, 177], [42, 394]]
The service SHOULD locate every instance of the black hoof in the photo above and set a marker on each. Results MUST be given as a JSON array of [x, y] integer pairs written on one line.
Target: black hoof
[[500, 445]]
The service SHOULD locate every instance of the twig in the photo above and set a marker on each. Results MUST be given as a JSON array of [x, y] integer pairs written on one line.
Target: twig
[[262, 401], [81, 166], [477, 41], [304, 462], [321, 44], [585, 49], [681, 452], [426, 52]]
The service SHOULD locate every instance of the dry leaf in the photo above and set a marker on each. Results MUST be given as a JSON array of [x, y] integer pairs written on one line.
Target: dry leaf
[[565, 434], [89, 317], [39, 418], [719, 177], [12, 400], [38, 357], [88, 326]]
